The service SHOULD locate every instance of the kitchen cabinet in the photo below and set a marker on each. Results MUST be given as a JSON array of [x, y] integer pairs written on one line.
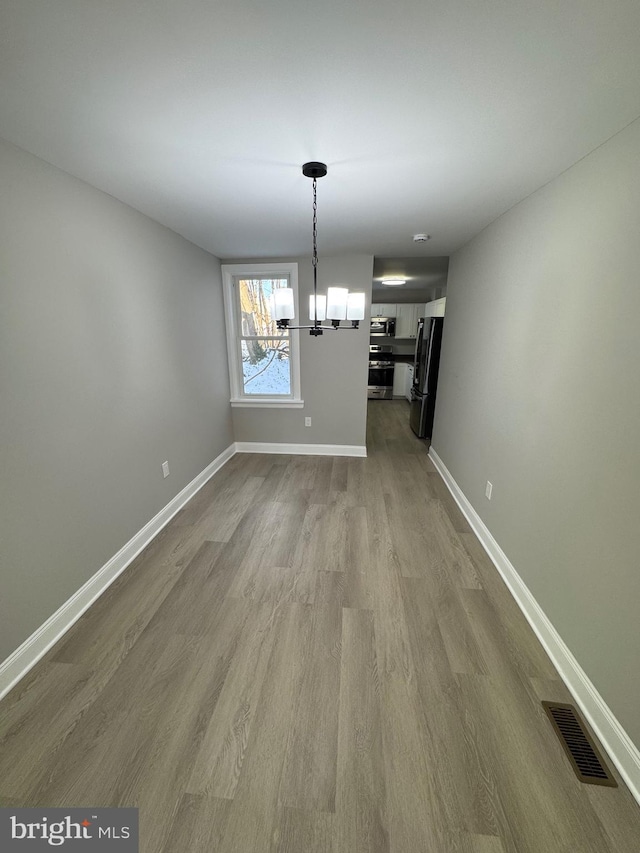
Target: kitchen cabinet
[[435, 308], [383, 309], [400, 379], [409, 382], [407, 319]]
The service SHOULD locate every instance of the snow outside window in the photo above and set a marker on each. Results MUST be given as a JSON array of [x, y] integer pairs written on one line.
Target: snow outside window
[[263, 359]]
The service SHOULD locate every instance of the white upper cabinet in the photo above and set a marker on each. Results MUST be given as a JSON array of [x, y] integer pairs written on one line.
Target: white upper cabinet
[[407, 320], [435, 308], [408, 314], [383, 309]]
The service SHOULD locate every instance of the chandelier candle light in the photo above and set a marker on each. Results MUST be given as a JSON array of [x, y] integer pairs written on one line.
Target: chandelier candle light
[[338, 304]]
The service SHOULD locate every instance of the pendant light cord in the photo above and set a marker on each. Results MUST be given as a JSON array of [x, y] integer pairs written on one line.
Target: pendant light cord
[[315, 252]]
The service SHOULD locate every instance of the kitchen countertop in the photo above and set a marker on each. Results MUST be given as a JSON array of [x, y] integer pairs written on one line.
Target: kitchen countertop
[[400, 351]]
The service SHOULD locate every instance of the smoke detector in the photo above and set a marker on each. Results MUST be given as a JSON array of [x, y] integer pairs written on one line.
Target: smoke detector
[[421, 238]]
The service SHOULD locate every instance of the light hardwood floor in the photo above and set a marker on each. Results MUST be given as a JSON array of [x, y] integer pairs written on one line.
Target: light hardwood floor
[[315, 656]]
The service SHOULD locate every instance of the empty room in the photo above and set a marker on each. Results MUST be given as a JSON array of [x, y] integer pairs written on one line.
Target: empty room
[[318, 427]]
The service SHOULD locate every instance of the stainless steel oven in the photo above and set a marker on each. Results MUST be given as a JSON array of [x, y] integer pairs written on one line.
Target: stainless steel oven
[[381, 367]]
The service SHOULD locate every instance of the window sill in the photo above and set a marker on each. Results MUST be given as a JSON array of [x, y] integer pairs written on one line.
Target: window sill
[[266, 403]]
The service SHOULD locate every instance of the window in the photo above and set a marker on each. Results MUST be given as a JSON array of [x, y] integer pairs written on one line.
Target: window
[[263, 360]]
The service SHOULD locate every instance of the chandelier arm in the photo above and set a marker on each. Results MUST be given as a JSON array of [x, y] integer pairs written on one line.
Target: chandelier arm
[[332, 328]]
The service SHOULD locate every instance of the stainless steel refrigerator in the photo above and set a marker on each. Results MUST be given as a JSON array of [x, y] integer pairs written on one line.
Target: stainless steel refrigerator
[[425, 375]]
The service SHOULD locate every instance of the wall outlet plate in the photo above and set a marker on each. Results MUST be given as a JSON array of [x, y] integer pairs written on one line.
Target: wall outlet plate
[[165, 469], [488, 490], [307, 422]]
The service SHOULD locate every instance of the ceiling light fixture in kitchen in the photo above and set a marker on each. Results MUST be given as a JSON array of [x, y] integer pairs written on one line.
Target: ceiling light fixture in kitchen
[[393, 282], [338, 304]]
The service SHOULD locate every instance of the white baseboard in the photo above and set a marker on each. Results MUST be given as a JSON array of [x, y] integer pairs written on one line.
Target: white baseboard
[[301, 449], [17, 665], [623, 752]]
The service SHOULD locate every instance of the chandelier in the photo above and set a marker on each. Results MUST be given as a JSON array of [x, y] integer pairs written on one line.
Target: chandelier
[[337, 304]]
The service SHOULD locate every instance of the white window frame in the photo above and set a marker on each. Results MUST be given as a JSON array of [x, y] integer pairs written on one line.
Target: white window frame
[[234, 333]]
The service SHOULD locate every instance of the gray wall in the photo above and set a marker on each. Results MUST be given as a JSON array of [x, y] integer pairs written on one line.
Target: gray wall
[[112, 359], [539, 393], [404, 295], [333, 367]]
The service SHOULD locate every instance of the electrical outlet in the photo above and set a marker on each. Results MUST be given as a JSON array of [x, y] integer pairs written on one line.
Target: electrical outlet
[[307, 421], [165, 469], [488, 490]]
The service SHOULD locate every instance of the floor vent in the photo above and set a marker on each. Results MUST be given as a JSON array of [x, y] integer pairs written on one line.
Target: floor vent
[[578, 744]]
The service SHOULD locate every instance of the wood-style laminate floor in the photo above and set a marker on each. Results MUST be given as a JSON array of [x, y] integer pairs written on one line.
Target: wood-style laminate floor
[[315, 656]]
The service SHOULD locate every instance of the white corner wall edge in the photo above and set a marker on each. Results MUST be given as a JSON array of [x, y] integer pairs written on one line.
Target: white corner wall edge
[[301, 449], [613, 737], [17, 665]]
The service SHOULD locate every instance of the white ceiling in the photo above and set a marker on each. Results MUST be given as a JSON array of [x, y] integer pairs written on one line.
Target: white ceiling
[[433, 115], [425, 278]]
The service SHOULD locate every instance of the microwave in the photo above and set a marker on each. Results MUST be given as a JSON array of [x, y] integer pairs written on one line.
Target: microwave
[[383, 327]]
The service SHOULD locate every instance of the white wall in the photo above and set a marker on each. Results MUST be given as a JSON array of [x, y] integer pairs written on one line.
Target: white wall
[[112, 360], [539, 393], [333, 368]]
